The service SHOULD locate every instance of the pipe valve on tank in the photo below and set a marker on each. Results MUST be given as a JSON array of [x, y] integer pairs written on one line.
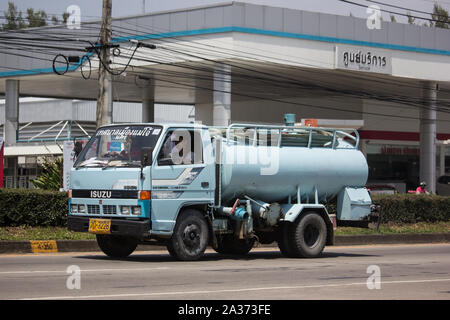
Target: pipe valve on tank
[[235, 212], [270, 213]]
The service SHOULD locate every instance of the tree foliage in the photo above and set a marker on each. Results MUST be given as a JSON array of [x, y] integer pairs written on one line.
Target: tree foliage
[[36, 18], [440, 17], [13, 18], [33, 18], [411, 19], [51, 176]]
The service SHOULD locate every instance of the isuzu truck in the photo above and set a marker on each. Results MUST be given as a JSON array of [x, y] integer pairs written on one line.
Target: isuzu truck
[[190, 186]]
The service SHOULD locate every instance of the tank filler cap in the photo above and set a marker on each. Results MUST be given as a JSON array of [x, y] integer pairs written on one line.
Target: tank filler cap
[[289, 119]]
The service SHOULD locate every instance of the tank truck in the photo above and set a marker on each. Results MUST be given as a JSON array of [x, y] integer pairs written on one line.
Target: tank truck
[[188, 186]]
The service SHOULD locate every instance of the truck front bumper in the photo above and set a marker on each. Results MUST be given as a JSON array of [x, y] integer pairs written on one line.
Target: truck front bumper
[[134, 228]]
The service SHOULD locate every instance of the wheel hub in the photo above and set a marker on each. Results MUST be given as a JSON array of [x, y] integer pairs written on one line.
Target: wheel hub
[[311, 235], [191, 236]]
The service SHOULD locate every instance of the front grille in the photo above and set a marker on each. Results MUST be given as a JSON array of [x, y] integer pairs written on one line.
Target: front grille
[[109, 209], [93, 209]]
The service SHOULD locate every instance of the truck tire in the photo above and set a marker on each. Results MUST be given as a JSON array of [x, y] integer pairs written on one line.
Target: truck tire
[[231, 245], [308, 235], [171, 251], [190, 236], [283, 240], [116, 246]]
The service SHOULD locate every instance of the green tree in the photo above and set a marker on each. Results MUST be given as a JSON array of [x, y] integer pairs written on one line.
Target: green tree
[[440, 17], [411, 19], [65, 16], [393, 18], [56, 21], [51, 177], [36, 18], [13, 18]]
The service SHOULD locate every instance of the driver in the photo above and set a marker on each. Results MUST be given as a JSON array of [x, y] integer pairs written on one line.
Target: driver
[[132, 149], [180, 149]]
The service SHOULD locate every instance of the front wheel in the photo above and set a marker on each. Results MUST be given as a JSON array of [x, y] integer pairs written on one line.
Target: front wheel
[[190, 236], [116, 246]]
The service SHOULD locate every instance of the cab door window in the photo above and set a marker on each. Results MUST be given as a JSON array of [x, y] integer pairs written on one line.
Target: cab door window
[[181, 147]]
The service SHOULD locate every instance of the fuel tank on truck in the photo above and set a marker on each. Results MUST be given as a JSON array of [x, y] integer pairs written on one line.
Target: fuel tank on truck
[[271, 167]]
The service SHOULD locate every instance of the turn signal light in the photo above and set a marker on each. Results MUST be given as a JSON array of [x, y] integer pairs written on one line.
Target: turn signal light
[[144, 195]]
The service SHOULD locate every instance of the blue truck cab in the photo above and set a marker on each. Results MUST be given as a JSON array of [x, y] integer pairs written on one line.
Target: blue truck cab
[[128, 187]]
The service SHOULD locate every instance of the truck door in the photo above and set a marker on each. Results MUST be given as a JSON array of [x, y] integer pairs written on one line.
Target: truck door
[[181, 175]]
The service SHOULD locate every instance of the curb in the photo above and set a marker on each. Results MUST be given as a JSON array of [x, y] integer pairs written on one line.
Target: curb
[[47, 246], [52, 246], [391, 239]]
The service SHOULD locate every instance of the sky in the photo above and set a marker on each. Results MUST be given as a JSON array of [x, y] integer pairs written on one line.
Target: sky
[[91, 9]]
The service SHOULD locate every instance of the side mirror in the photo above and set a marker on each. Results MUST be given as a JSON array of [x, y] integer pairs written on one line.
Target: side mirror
[[146, 156]]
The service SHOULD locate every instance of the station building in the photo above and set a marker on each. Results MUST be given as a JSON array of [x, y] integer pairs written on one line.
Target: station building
[[238, 62]]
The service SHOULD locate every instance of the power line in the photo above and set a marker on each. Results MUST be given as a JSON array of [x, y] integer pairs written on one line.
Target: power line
[[314, 66], [253, 70], [384, 80], [184, 85], [252, 55], [389, 11], [407, 9], [342, 92]]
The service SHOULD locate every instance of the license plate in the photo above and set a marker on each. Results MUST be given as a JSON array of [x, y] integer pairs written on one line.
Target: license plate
[[100, 226]]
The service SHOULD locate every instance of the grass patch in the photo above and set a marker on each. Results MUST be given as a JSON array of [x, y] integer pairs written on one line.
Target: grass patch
[[42, 233], [393, 228]]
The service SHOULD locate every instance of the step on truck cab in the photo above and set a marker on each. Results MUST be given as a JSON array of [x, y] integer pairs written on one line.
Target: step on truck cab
[[189, 186]]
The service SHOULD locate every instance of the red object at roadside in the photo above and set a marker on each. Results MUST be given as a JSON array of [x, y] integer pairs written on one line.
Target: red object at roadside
[[421, 190]]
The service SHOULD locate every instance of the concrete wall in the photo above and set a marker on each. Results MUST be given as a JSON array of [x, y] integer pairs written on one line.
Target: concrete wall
[[51, 110], [272, 112], [398, 117]]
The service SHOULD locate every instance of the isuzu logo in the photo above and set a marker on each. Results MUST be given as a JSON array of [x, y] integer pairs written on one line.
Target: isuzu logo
[[105, 194], [101, 194]]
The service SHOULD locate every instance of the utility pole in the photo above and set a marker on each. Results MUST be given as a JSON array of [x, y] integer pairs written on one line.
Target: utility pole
[[104, 97]]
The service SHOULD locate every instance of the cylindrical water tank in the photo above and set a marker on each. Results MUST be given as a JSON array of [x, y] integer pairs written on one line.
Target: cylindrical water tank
[[272, 174]]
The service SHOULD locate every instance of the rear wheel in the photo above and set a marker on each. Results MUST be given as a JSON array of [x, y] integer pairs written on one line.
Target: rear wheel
[[308, 235], [283, 240], [190, 236], [116, 246]]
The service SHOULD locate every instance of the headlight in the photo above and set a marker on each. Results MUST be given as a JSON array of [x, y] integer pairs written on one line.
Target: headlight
[[81, 208], [136, 211], [74, 208], [125, 210]]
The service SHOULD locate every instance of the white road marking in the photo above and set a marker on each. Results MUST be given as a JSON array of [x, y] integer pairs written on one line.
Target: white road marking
[[82, 270], [230, 290]]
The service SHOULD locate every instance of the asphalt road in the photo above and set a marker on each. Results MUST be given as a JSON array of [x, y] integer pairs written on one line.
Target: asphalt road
[[406, 272]]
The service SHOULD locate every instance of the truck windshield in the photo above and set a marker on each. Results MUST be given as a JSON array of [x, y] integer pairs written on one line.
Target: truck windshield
[[118, 146]]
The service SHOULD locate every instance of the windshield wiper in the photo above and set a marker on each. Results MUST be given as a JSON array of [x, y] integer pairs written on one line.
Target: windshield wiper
[[94, 163], [121, 163]]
